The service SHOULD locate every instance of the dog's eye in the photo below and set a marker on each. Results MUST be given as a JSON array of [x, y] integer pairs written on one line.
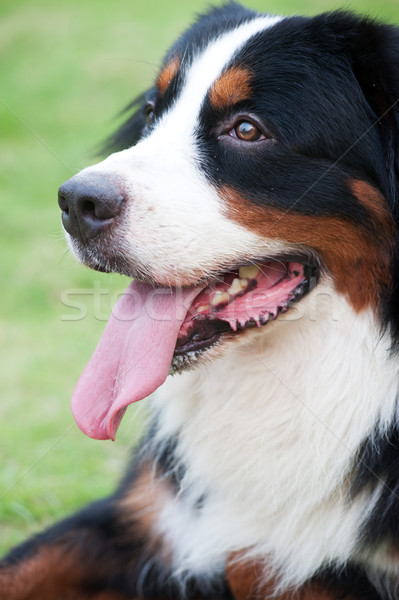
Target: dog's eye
[[149, 113], [247, 131]]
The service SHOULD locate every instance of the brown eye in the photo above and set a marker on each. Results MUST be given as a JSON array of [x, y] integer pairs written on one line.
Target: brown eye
[[246, 131], [149, 114]]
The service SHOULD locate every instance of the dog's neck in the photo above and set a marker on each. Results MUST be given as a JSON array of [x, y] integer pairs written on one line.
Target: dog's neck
[[280, 415]]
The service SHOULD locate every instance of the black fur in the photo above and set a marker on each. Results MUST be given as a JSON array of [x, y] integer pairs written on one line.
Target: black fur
[[377, 466], [350, 582], [132, 130]]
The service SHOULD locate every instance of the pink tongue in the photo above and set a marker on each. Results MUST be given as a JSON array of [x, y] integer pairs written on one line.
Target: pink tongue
[[132, 358]]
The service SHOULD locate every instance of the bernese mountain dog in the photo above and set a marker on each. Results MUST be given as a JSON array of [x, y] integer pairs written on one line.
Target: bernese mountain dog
[[253, 198]]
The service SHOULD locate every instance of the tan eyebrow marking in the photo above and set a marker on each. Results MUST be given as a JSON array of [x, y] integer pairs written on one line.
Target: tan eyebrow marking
[[233, 86], [167, 74]]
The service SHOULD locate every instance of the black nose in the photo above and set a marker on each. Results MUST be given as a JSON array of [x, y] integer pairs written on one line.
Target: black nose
[[89, 204]]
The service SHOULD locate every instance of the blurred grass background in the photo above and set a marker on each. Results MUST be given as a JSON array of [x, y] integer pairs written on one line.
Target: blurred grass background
[[66, 69]]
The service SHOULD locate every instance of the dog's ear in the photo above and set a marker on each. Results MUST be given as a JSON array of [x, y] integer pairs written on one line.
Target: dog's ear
[[376, 66], [373, 52], [132, 129]]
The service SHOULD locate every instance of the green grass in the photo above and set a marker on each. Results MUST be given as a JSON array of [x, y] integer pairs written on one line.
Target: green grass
[[66, 70]]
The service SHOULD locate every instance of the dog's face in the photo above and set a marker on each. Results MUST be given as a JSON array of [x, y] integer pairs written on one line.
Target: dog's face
[[262, 162]]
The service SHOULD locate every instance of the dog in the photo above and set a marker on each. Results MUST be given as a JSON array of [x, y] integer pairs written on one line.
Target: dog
[[253, 197]]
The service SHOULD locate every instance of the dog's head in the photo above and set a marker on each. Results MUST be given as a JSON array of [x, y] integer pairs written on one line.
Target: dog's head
[[263, 162]]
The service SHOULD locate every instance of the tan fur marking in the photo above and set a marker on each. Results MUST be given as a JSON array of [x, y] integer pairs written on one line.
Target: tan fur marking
[[232, 87], [52, 573], [140, 508], [167, 74], [244, 578], [358, 260], [248, 580], [371, 198]]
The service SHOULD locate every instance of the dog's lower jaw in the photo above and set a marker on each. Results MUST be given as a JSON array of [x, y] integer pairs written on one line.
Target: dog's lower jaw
[[260, 429]]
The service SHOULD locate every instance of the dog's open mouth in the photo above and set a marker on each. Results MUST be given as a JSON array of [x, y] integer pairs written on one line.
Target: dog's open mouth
[[249, 296], [153, 330]]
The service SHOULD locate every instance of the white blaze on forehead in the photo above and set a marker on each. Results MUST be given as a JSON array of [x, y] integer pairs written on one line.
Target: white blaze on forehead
[[176, 228], [209, 66]]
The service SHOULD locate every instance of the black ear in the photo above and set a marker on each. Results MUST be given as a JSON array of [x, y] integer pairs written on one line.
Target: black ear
[[376, 66], [132, 130], [373, 51]]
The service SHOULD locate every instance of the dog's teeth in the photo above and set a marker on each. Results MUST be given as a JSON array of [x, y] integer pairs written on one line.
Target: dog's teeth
[[204, 308], [249, 272], [219, 298], [237, 286]]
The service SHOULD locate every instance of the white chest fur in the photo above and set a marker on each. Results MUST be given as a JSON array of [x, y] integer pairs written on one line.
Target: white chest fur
[[268, 434]]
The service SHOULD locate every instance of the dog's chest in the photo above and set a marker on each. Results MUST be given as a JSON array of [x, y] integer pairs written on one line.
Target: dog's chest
[[264, 446]]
